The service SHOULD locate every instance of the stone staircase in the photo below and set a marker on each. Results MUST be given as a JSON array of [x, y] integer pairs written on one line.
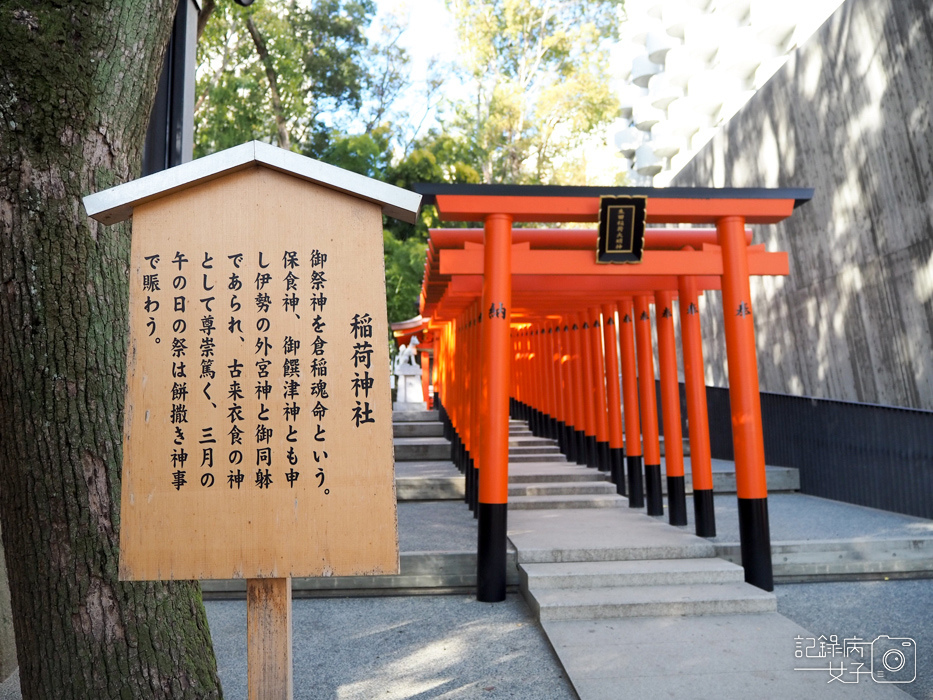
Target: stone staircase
[[623, 564], [419, 441], [417, 429], [419, 437], [623, 568], [653, 598], [620, 564]]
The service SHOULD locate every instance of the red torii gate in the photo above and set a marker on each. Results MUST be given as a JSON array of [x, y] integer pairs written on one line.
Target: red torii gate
[[723, 259]]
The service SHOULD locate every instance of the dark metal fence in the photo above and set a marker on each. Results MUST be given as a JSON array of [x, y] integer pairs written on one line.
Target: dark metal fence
[[877, 456]]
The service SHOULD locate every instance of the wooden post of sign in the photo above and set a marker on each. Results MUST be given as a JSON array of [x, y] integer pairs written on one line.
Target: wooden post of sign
[[269, 638]]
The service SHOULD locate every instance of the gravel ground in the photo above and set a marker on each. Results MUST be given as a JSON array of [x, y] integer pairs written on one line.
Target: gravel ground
[[412, 647], [867, 609]]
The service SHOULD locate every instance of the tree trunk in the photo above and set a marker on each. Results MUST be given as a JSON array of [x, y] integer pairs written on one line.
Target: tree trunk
[[273, 79], [76, 86]]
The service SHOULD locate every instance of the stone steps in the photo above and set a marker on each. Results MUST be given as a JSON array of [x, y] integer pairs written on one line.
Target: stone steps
[[542, 480], [616, 565], [649, 601], [779, 479], [415, 416], [607, 574], [561, 488], [637, 552], [409, 449], [566, 473], [421, 448], [837, 560], [450, 487], [435, 488], [517, 450], [523, 458], [418, 429], [566, 501], [533, 443]]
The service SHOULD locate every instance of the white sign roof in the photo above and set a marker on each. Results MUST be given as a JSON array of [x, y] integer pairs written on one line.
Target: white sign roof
[[116, 204]]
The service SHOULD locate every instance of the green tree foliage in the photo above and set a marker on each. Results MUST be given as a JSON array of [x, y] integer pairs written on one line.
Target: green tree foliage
[[404, 261], [283, 72], [437, 157], [305, 76], [540, 86]]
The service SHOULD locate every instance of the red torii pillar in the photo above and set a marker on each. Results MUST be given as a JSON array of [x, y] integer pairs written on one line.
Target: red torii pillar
[[697, 416], [614, 398], [579, 390], [477, 361], [553, 383], [599, 387], [747, 436], [425, 356], [494, 449], [633, 451], [670, 409], [589, 388], [649, 405], [567, 392]]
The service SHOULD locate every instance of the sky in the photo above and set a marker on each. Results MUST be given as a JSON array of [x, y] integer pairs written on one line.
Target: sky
[[430, 30], [430, 34]]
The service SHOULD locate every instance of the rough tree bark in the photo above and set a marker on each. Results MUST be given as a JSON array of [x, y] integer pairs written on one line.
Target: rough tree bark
[[76, 85]]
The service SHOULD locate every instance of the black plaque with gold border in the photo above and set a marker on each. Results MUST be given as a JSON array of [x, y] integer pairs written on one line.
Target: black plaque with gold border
[[621, 229]]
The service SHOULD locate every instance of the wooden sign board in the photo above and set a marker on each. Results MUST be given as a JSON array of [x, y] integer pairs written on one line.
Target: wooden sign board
[[621, 229], [258, 427]]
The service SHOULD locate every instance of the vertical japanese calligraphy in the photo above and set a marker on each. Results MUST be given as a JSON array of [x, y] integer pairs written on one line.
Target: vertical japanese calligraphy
[[287, 360]]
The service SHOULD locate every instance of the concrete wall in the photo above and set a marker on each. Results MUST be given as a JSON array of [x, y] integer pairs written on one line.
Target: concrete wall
[[850, 115]]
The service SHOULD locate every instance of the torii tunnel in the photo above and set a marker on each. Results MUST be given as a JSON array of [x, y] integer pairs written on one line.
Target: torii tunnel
[[526, 322]]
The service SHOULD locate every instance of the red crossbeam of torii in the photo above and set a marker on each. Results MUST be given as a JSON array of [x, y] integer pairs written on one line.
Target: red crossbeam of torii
[[531, 310], [555, 269]]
